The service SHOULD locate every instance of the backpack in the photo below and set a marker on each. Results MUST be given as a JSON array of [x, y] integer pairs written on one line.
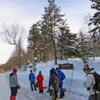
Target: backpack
[[97, 81], [63, 76]]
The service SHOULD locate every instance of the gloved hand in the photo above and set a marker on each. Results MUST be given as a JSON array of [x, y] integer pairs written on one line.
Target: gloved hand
[[18, 86]]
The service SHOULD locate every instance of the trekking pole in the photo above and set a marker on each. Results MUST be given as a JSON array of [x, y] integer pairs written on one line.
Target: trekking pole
[[71, 82]]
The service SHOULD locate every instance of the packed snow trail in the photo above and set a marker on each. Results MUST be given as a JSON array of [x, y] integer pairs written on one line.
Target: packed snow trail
[[4, 87], [25, 92]]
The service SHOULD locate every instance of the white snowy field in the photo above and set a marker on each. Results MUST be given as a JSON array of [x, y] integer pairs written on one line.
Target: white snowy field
[[73, 82]]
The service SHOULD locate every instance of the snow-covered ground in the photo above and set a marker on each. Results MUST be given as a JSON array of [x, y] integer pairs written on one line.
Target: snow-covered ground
[[73, 82]]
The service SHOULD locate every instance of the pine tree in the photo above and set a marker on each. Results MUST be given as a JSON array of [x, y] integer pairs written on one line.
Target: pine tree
[[95, 21], [83, 47], [66, 41], [45, 43], [52, 19], [33, 39]]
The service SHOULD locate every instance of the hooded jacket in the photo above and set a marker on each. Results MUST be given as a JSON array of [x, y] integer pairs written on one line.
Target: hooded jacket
[[31, 77], [53, 81], [40, 81], [13, 81], [59, 75], [90, 81]]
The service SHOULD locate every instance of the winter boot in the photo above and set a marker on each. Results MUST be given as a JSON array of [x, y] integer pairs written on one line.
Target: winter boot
[[35, 89], [32, 89], [13, 97], [61, 93], [57, 98], [41, 91]]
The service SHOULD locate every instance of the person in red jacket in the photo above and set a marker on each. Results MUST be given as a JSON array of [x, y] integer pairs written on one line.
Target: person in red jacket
[[40, 82]]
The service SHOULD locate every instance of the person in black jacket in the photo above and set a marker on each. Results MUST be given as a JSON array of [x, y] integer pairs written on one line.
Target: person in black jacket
[[53, 81], [14, 85], [53, 70]]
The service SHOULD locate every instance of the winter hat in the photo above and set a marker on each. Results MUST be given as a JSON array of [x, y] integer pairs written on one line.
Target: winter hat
[[57, 68], [30, 70], [53, 71], [14, 70], [86, 67]]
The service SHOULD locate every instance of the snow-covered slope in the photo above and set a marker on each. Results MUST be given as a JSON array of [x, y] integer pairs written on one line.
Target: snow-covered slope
[[73, 82]]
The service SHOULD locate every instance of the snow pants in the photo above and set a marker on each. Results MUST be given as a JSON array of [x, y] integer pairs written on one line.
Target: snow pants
[[60, 86], [33, 83], [40, 85], [13, 91]]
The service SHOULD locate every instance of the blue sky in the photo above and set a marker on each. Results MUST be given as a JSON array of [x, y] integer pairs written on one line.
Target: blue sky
[[27, 12]]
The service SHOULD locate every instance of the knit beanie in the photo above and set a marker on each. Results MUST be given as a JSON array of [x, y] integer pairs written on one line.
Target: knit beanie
[[57, 68], [30, 70], [14, 70], [86, 67]]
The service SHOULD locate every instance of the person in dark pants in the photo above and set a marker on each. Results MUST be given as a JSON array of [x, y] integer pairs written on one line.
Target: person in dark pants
[[53, 81], [90, 80], [51, 70], [59, 75], [32, 80], [14, 85]]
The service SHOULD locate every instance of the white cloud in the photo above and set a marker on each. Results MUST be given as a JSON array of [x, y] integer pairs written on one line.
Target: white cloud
[[5, 51]]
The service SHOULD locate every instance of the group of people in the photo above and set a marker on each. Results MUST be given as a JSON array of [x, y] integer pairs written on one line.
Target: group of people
[[14, 85], [39, 79], [55, 81]]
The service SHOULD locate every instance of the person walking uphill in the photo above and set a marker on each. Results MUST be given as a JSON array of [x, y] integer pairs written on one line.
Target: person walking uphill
[[40, 82], [32, 80], [14, 85], [90, 81]]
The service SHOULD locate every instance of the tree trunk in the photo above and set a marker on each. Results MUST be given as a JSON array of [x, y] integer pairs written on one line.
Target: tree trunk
[[54, 50]]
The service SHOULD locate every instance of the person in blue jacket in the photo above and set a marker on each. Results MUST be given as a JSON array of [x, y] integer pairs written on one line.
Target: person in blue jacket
[[59, 75], [32, 80]]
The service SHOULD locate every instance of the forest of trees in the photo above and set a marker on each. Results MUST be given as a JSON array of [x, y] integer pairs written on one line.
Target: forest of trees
[[51, 39]]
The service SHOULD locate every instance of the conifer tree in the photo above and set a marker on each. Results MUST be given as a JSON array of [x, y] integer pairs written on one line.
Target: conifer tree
[[33, 39], [66, 41], [45, 42], [95, 21], [83, 47], [52, 19]]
